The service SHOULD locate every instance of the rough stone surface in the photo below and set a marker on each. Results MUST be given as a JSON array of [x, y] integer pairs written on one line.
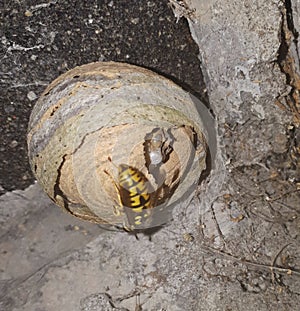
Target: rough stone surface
[[235, 248]]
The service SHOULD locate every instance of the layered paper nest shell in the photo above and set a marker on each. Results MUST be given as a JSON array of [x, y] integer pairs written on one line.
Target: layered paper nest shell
[[96, 117]]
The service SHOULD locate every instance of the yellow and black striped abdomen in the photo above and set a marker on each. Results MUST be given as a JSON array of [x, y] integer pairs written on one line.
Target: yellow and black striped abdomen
[[134, 188]]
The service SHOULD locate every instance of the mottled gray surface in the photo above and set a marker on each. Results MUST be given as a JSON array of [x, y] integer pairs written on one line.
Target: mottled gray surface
[[294, 7], [242, 253]]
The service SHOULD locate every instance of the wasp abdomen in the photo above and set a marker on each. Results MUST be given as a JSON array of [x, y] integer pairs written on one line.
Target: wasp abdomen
[[133, 188]]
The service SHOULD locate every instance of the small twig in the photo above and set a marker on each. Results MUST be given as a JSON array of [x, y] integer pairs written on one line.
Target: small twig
[[283, 195], [217, 224], [250, 263], [275, 259]]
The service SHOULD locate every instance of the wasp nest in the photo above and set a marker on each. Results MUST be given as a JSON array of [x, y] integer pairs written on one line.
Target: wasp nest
[[116, 143]]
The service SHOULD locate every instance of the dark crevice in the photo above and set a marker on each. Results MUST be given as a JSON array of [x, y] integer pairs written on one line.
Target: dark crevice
[[284, 47], [283, 55], [290, 22], [287, 29], [56, 188], [208, 167]]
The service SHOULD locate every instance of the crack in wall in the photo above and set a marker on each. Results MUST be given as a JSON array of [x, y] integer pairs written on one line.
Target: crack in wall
[[290, 23], [286, 60]]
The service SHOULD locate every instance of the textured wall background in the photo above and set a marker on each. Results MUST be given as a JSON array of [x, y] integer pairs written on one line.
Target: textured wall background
[[235, 247]]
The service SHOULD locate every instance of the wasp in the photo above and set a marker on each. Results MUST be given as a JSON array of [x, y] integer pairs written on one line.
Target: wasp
[[136, 196], [134, 193]]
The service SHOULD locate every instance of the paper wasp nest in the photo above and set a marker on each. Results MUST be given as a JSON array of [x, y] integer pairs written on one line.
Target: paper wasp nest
[[116, 143]]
